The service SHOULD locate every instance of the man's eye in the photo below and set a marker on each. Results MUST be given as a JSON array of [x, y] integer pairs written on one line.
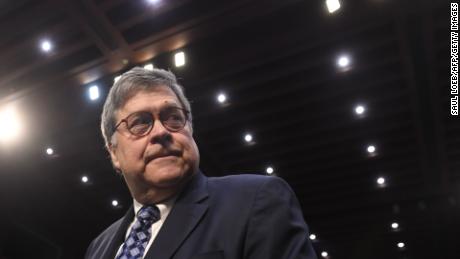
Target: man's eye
[[139, 121], [174, 116]]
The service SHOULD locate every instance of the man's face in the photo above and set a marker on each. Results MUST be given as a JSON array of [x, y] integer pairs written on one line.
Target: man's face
[[161, 159]]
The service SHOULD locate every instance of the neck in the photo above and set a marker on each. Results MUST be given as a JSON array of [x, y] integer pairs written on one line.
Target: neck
[[152, 196], [147, 194]]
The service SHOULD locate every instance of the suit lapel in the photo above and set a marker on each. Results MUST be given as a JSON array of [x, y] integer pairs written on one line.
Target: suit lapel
[[119, 237], [187, 211]]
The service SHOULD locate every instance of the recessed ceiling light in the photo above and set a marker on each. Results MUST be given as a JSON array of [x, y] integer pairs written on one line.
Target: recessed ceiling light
[[84, 179], [248, 137], [46, 45], [153, 1], [332, 5], [221, 98], [10, 124], [394, 225], [269, 170], [343, 62], [93, 92], [360, 109], [381, 181], [49, 151], [324, 254], [371, 149], [114, 203], [401, 245], [179, 59], [148, 67], [312, 237]]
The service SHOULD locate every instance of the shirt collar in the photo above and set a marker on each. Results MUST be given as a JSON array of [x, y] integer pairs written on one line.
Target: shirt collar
[[164, 206]]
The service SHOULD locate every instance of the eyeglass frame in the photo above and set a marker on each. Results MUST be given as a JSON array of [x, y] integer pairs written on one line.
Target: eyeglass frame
[[186, 113]]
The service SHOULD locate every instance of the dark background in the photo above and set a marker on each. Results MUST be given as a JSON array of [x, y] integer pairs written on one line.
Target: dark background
[[276, 61]]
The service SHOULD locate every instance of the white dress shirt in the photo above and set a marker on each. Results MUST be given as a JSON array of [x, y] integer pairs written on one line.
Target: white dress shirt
[[164, 207]]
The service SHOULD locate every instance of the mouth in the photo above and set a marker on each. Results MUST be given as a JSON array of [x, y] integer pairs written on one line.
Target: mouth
[[169, 154], [163, 157]]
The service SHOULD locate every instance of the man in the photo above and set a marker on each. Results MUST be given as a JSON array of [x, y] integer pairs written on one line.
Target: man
[[178, 212]]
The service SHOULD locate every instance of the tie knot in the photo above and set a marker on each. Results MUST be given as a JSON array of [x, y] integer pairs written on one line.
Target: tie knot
[[147, 215]]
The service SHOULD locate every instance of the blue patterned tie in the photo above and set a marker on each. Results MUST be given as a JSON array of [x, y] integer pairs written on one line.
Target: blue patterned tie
[[134, 245]]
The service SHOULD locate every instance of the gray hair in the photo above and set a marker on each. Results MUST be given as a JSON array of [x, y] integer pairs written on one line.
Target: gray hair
[[130, 83]]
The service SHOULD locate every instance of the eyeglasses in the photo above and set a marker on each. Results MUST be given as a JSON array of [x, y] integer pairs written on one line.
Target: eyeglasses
[[141, 123]]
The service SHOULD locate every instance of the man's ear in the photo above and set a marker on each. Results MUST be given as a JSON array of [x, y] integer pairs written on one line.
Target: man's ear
[[113, 156], [190, 127]]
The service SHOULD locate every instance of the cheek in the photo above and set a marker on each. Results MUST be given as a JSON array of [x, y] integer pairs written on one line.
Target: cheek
[[133, 156], [191, 152]]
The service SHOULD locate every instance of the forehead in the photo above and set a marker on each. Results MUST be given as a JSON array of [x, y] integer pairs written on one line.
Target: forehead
[[151, 99]]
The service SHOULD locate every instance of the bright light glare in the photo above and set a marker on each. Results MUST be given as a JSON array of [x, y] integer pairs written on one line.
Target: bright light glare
[[49, 151], [380, 180], [221, 98], [360, 109], [114, 203], [153, 1], [371, 149], [84, 179], [324, 254], [115, 79], [312, 237], [46, 45], [148, 67], [179, 59], [332, 5], [10, 124], [269, 170], [401, 245], [93, 92], [248, 137], [394, 225], [343, 61]]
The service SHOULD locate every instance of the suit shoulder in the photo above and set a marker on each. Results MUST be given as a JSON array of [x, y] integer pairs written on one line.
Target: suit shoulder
[[110, 229], [102, 240], [245, 181]]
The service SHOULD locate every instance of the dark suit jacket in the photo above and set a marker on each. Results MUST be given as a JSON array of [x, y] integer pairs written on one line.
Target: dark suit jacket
[[232, 217]]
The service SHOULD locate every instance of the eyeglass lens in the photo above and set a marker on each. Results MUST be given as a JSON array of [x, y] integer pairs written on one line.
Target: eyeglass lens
[[140, 123]]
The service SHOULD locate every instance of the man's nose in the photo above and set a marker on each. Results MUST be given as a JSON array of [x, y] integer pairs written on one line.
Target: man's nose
[[159, 134]]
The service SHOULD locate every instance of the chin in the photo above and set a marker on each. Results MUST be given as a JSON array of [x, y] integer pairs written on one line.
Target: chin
[[166, 177]]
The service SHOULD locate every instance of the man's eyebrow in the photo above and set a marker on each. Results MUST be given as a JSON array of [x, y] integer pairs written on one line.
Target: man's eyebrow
[[170, 105], [157, 109]]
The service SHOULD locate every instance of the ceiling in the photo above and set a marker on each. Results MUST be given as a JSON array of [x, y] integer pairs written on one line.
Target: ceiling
[[276, 62]]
